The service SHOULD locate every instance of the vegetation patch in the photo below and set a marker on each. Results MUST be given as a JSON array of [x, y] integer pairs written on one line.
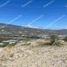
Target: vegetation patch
[[54, 40], [65, 39]]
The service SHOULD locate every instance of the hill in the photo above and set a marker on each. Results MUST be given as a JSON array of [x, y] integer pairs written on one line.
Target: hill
[[8, 29]]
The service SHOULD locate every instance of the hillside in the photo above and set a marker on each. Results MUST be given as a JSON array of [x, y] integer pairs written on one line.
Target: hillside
[[22, 55], [18, 30], [33, 52]]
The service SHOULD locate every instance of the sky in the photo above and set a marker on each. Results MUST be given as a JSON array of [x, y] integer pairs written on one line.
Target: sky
[[47, 14]]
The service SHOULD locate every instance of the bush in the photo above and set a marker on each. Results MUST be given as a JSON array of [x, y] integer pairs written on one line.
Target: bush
[[3, 44], [54, 39], [65, 39]]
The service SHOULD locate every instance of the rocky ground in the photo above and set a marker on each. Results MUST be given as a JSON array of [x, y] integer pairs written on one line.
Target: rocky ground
[[33, 56]]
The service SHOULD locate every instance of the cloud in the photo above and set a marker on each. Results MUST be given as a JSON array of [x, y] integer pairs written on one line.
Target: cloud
[[14, 19], [36, 19], [27, 3], [55, 21], [49, 3], [29, 25], [5, 3], [66, 6]]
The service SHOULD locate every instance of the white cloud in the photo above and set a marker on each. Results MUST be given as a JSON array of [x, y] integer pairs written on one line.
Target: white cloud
[[55, 21], [14, 19], [49, 3], [66, 6], [36, 19], [27, 3], [33, 21], [5, 3], [30, 26]]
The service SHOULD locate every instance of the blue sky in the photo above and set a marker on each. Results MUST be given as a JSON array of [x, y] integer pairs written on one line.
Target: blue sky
[[34, 13]]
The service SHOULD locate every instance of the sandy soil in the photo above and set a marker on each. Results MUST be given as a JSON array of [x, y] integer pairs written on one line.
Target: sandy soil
[[38, 56]]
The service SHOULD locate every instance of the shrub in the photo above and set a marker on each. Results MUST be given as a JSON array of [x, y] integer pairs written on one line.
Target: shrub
[[3, 44], [54, 39], [65, 39]]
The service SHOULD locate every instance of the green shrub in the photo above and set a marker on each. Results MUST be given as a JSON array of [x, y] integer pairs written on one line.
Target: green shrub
[[65, 39], [4, 44], [54, 39]]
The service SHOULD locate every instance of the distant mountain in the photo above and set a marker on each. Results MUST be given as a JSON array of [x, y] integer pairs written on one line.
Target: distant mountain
[[19, 30]]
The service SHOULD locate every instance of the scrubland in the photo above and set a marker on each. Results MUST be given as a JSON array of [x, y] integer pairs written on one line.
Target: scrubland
[[34, 53]]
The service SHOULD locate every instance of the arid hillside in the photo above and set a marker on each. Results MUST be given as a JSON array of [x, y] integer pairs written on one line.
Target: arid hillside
[[9, 29], [34, 53]]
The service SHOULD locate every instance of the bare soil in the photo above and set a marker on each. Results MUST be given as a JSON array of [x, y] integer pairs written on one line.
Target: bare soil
[[33, 56]]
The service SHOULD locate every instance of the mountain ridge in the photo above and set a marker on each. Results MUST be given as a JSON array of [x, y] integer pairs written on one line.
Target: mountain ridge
[[16, 29]]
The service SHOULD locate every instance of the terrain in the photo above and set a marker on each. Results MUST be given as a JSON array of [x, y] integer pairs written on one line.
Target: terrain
[[19, 30], [24, 47], [22, 55]]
